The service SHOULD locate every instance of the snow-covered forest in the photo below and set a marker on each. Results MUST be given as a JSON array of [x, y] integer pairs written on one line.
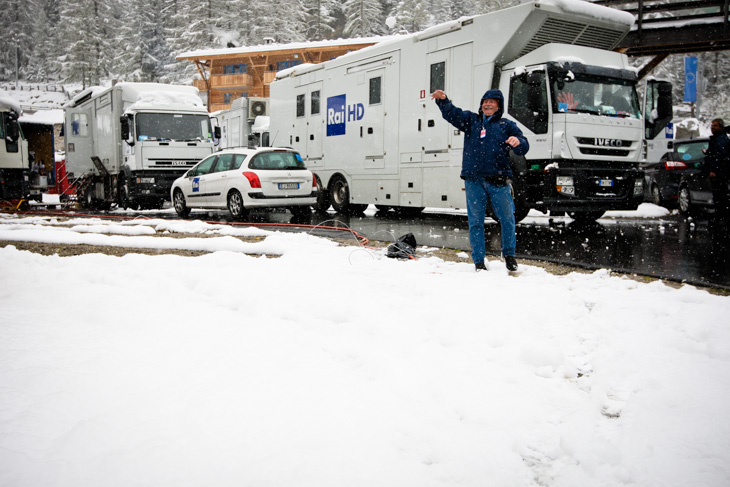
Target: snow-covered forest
[[94, 41]]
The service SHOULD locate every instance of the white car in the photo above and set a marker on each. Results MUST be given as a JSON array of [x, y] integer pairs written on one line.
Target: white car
[[244, 178]]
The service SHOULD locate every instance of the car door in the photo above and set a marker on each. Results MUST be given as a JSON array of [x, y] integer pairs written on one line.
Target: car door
[[196, 181], [217, 181]]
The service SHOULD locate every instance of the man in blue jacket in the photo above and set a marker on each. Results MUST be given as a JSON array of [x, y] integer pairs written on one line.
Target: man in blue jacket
[[486, 170], [717, 157]]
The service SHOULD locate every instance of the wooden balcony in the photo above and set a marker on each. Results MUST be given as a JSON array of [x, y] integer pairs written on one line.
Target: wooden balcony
[[200, 84], [269, 77], [219, 81]]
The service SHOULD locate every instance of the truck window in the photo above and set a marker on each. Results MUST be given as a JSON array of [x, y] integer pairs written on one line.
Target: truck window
[[438, 76], [528, 101], [314, 103], [376, 86], [300, 105], [173, 126], [80, 125]]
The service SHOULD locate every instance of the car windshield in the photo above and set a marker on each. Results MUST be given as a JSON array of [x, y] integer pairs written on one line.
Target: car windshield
[[173, 126], [277, 160], [596, 95], [691, 151]]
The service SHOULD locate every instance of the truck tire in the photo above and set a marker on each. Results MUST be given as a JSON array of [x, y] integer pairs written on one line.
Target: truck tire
[[340, 197], [178, 201], [323, 197], [236, 206]]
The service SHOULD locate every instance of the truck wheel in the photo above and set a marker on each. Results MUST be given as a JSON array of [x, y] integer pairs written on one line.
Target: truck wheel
[[178, 201], [235, 205], [340, 194], [123, 194], [684, 202], [323, 197], [87, 199]]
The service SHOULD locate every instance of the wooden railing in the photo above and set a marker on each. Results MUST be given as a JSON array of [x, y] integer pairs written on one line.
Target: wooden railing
[[231, 80]]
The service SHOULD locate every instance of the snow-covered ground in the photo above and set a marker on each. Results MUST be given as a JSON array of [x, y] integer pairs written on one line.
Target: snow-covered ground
[[294, 361]]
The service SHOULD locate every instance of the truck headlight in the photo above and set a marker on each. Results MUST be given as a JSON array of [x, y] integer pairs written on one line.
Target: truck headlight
[[564, 185], [638, 187]]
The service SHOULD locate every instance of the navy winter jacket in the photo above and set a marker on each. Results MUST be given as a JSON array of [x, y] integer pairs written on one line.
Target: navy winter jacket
[[484, 156], [718, 155]]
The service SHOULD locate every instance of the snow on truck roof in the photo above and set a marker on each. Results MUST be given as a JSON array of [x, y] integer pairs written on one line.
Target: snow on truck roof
[[7, 103], [141, 95]]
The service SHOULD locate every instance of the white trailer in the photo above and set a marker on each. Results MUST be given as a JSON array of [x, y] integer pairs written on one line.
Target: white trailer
[[126, 144], [367, 127], [14, 162], [245, 124]]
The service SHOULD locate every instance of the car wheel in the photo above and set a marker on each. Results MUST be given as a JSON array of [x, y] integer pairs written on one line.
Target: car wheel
[[236, 206], [684, 202], [656, 195], [178, 201]]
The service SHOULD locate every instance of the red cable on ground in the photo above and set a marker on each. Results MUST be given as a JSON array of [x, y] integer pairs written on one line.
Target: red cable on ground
[[360, 238]]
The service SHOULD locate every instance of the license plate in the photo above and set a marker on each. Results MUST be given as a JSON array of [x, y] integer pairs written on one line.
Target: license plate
[[606, 183], [288, 185]]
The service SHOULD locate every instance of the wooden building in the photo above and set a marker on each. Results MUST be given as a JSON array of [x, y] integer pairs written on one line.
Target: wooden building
[[231, 73]]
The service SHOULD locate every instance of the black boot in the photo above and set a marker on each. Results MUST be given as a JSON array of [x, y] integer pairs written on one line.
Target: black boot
[[480, 266], [511, 263]]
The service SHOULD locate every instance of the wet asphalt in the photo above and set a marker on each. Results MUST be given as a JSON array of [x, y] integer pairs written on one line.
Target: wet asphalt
[[693, 251]]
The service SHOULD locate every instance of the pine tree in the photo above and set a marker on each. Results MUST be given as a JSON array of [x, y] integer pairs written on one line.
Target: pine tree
[[318, 19], [86, 37], [364, 18]]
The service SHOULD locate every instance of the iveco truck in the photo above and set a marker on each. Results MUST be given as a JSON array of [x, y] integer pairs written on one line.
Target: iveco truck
[[367, 127], [127, 143]]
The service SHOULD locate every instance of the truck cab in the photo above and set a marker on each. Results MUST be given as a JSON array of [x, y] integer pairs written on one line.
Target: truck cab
[[585, 127], [14, 163]]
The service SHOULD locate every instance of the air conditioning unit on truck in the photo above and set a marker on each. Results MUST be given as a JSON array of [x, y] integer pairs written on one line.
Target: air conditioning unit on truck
[[14, 163], [367, 127], [246, 123], [127, 144]]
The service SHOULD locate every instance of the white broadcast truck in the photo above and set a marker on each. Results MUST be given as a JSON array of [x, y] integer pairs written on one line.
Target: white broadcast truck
[[246, 123], [367, 127], [14, 162], [126, 144]]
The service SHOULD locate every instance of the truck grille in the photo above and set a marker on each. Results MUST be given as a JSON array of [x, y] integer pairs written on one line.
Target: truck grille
[[596, 146], [174, 163]]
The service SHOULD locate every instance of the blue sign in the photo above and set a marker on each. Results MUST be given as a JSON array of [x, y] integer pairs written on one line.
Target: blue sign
[[196, 185], [339, 113], [690, 79], [669, 131], [336, 115]]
